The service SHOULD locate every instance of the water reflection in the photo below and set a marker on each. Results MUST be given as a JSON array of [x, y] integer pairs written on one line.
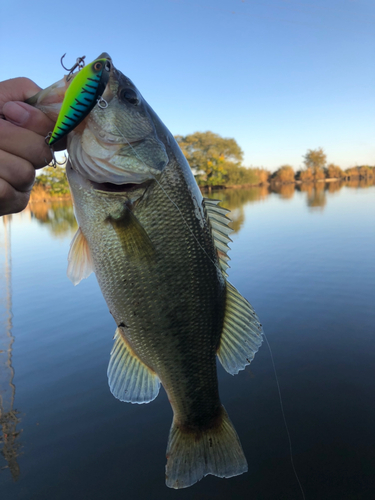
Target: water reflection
[[8, 415], [316, 197], [57, 215], [235, 199], [286, 191]]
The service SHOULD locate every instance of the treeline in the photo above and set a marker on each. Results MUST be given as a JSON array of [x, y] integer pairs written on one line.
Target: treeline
[[286, 174], [317, 169], [217, 161]]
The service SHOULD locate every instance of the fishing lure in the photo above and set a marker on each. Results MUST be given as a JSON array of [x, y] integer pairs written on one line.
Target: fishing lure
[[81, 96]]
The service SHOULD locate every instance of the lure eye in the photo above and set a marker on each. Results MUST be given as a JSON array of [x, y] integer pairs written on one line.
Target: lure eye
[[129, 95], [98, 66]]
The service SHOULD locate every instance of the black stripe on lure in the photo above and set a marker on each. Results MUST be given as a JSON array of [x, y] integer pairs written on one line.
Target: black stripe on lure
[[81, 96]]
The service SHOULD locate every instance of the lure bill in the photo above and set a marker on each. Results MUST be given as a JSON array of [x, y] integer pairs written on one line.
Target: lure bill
[[81, 96]]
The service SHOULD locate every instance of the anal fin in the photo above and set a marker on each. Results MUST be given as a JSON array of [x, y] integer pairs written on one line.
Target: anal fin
[[129, 379], [242, 333]]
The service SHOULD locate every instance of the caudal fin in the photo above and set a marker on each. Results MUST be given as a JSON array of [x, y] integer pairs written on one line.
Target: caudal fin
[[191, 456]]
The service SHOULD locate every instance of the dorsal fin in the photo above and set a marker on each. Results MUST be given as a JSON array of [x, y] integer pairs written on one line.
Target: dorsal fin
[[242, 333], [220, 230], [80, 261], [129, 378]]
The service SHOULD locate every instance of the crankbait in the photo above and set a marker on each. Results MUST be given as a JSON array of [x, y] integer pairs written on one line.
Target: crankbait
[[81, 96]]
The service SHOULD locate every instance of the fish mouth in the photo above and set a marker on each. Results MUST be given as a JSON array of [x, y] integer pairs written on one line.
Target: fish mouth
[[109, 187]]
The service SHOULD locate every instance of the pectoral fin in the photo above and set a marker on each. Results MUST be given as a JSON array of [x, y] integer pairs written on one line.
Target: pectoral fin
[[129, 378], [80, 261], [242, 333], [134, 239]]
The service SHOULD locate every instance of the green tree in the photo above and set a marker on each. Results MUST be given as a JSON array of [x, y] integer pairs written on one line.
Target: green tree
[[315, 159], [209, 154], [236, 175]]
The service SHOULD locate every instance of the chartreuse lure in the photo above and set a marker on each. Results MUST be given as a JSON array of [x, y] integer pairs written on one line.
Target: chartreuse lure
[[81, 96]]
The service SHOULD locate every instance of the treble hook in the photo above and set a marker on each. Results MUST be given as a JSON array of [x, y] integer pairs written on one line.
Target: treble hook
[[80, 62], [54, 162]]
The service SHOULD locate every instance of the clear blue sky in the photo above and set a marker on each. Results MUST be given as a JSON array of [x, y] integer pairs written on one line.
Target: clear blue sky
[[280, 76]]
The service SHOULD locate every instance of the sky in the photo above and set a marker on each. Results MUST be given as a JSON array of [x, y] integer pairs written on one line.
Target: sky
[[279, 76]]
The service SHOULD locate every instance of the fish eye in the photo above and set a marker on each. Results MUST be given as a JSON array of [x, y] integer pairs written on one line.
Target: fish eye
[[98, 66], [107, 66], [129, 95]]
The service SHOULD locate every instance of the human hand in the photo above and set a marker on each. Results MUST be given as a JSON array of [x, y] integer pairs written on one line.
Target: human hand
[[23, 129]]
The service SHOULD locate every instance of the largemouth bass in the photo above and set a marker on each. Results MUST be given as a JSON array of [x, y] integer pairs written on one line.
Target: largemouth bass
[[159, 252]]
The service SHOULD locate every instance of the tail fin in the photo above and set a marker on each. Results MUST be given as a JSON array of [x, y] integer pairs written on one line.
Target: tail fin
[[191, 456]]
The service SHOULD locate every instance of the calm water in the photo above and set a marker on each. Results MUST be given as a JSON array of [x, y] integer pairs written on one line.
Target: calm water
[[305, 260]]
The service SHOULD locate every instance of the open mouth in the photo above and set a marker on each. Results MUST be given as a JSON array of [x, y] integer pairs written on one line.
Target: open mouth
[[118, 188]]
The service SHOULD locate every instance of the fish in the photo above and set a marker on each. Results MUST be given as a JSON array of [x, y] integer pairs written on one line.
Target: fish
[[159, 252]]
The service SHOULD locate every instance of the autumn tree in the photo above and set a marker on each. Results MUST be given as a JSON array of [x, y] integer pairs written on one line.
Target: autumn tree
[[53, 181], [284, 174], [209, 154], [334, 171], [315, 160]]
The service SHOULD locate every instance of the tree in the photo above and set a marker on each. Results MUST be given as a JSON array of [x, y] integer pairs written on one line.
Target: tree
[[53, 181], [315, 159], [334, 171], [284, 174], [208, 155]]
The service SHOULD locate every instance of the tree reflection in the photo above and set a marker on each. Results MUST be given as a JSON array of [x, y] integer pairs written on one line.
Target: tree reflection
[[235, 199], [8, 415], [286, 191], [57, 215], [333, 187], [360, 183]]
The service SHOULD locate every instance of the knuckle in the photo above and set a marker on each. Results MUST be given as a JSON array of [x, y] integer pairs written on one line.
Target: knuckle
[[11, 200], [23, 80], [28, 177], [21, 202]]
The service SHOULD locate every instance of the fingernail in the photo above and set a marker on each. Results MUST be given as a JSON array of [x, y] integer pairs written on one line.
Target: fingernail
[[15, 113]]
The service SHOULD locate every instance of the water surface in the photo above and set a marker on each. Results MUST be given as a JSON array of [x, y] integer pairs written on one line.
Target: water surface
[[304, 259]]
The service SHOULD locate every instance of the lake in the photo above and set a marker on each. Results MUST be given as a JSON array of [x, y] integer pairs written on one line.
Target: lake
[[304, 258]]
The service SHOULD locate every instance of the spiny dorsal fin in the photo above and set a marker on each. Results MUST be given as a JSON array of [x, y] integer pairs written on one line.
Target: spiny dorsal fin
[[220, 230], [129, 378], [242, 333], [80, 261]]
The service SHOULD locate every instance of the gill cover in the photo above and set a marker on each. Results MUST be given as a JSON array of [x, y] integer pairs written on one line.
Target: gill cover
[[81, 96]]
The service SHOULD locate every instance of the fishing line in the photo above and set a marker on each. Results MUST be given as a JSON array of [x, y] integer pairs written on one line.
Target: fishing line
[[284, 418], [214, 263]]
